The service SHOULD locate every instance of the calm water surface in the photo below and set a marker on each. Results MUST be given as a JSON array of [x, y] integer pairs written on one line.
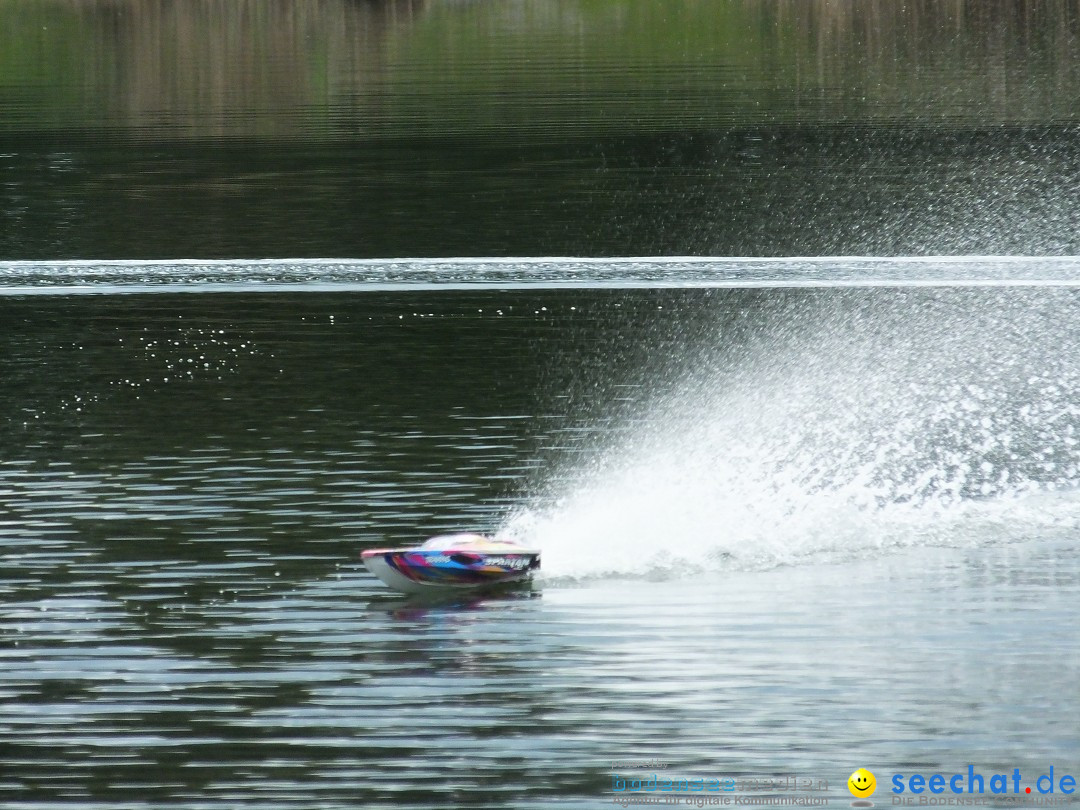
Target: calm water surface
[[774, 541], [333, 128]]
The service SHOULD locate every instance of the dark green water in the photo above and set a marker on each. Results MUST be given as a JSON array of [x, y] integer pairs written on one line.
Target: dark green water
[[768, 191], [142, 129]]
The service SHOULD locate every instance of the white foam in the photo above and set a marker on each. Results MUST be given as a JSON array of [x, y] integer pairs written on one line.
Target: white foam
[[833, 433]]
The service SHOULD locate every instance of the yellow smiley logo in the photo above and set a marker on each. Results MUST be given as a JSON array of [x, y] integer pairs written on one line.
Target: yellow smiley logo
[[862, 783]]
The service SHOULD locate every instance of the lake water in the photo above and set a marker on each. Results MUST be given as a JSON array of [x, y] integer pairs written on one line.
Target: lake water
[[785, 531], [331, 128], [806, 509]]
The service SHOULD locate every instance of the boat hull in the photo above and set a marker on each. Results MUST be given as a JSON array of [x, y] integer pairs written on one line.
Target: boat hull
[[450, 570]]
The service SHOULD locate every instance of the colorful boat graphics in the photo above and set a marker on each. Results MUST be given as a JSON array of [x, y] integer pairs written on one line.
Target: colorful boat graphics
[[452, 563]]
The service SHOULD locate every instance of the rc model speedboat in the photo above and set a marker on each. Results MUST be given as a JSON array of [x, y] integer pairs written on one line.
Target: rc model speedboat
[[453, 562]]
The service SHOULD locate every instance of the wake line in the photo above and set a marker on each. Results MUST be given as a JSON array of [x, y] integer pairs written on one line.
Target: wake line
[[82, 277], [402, 287]]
